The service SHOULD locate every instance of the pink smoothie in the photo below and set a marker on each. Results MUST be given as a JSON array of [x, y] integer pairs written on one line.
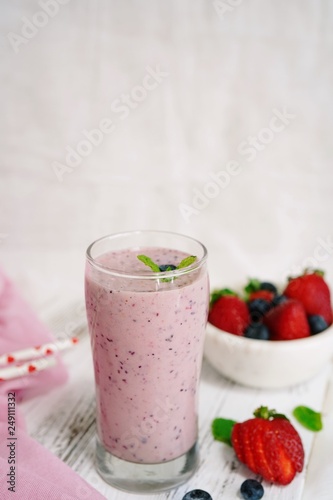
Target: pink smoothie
[[147, 342]]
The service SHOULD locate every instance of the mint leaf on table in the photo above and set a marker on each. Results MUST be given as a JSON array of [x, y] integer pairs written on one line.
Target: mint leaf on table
[[148, 262], [222, 429], [309, 418]]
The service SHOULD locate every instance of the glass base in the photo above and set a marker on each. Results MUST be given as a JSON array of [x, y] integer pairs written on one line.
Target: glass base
[[145, 478]]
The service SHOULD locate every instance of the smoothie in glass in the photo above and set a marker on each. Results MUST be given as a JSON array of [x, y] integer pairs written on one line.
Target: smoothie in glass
[[147, 335]]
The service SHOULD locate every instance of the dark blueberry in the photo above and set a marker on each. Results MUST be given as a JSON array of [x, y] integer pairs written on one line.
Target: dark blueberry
[[317, 324], [279, 299], [197, 495], [260, 305], [257, 331], [268, 286], [258, 308], [251, 489], [167, 267]]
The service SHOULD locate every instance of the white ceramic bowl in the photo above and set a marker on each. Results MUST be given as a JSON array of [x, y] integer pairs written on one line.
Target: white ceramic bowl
[[265, 363]]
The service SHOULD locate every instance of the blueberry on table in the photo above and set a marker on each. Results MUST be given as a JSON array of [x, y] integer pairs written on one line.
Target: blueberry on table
[[251, 489], [197, 495], [317, 323], [265, 285], [167, 267], [257, 331]]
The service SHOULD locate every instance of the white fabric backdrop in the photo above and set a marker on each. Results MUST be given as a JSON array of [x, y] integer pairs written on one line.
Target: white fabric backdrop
[[222, 74]]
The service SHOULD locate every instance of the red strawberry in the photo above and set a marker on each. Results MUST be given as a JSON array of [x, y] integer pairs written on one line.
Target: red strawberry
[[261, 294], [269, 445], [256, 289], [229, 313], [287, 321], [313, 292]]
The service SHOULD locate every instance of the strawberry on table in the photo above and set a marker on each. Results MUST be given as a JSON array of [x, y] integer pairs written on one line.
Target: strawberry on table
[[313, 292], [287, 321], [269, 445], [228, 312]]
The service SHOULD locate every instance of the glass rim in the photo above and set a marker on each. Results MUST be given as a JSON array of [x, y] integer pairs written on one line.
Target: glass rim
[[148, 275]]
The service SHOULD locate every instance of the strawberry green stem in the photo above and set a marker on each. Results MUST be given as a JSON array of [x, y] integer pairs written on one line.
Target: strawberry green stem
[[252, 286], [265, 413], [217, 294], [309, 270]]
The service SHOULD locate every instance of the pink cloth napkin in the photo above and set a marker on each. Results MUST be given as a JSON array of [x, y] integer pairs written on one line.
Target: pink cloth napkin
[[36, 474]]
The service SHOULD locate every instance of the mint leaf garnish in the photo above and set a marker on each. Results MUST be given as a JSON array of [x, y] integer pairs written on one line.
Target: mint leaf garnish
[[222, 429], [157, 269], [187, 261], [309, 418], [147, 260], [154, 267]]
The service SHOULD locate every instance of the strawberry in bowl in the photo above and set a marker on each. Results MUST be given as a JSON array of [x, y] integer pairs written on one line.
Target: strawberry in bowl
[[229, 312], [311, 290]]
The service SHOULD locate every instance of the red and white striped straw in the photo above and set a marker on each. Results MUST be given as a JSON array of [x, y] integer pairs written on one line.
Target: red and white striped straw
[[23, 369], [38, 358], [37, 351]]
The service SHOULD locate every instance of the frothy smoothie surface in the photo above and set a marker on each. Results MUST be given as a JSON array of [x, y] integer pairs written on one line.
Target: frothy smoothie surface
[[126, 261], [147, 341]]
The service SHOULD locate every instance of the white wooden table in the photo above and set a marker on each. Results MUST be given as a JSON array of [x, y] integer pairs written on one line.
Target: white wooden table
[[64, 422]]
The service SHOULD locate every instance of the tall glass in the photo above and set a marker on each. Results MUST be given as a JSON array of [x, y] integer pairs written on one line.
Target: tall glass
[[147, 333]]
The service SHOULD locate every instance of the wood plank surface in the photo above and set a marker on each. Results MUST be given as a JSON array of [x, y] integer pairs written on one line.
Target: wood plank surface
[[64, 422]]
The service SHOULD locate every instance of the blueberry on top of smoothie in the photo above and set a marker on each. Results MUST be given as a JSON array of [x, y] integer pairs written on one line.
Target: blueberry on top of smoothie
[[166, 267]]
